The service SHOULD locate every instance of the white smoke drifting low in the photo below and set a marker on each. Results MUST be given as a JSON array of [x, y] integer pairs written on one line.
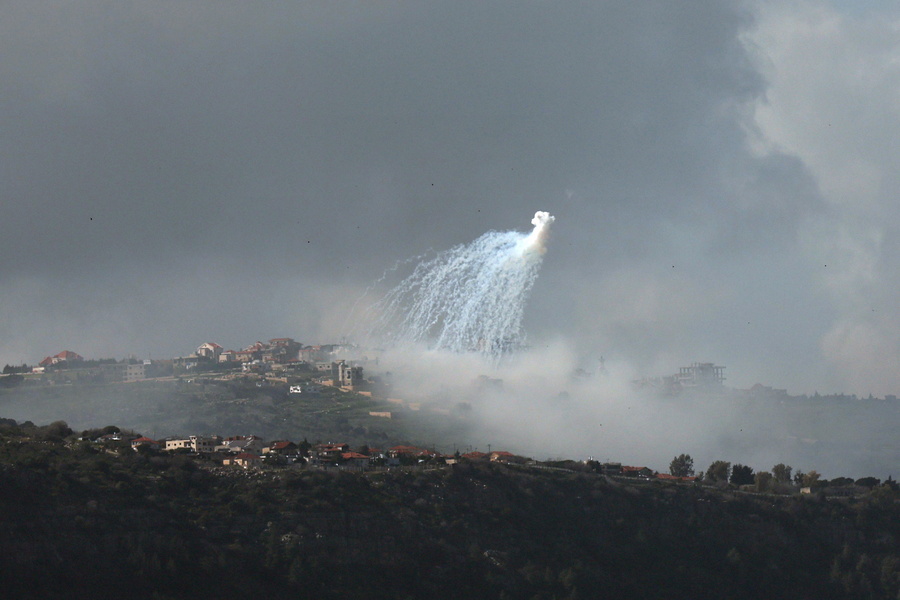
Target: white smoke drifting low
[[545, 402]]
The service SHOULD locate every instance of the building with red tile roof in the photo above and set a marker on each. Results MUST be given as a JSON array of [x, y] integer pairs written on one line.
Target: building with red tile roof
[[144, 441], [281, 447], [637, 472], [66, 356]]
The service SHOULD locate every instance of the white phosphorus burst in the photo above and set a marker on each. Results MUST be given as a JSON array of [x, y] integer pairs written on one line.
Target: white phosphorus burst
[[467, 299]]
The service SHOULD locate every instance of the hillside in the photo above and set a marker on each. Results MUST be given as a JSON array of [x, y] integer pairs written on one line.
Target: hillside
[[78, 522], [202, 407]]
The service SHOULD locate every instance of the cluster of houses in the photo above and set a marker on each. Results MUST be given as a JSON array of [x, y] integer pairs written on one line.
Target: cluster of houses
[[277, 351], [263, 358], [252, 451], [280, 354]]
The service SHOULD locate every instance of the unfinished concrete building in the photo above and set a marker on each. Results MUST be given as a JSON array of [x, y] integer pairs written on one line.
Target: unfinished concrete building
[[701, 375]]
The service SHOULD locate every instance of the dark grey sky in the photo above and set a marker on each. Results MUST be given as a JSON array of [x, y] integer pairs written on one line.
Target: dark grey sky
[[181, 172]]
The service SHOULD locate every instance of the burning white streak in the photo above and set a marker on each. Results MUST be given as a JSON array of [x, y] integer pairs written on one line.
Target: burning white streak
[[470, 298], [538, 235]]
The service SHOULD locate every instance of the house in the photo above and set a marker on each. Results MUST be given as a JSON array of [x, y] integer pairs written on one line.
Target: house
[[119, 372], [310, 354], [284, 349], [209, 351], [315, 354], [275, 355], [345, 376], [701, 376], [195, 443], [243, 459], [283, 448], [257, 347], [355, 461], [64, 358], [611, 468], [255, 366], [330, 451], [114, 437], [239, 443], [507, 457], [172, 445], [246, 356], [640, 472], [205, 444], [475, 455], [398, 451], [144, 441]]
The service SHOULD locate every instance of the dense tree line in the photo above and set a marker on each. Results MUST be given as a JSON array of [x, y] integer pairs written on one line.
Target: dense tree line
[[723, 474], [77, 521]]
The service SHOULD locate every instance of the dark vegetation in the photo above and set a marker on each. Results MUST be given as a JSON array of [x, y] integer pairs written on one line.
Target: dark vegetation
[[240, 407], [79, 521]]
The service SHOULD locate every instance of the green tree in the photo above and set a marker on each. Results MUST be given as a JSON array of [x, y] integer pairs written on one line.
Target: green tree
[[840, 482], [782, 473], [810, 479], [55, 431], [763, 481], [304, 447], [741, 475], [718, 471], [682, 466], [868, 482]]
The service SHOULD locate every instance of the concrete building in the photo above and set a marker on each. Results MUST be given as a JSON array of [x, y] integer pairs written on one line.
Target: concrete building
[[701, 375], [177, 444], [195, 443], [123, 372], [346, 376]]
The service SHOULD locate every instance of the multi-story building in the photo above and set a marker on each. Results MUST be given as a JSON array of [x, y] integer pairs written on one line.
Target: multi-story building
[[344, 375], [701, 375], [119, 372], [209, 351]]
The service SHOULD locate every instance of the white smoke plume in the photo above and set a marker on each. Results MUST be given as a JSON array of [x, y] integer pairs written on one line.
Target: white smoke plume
[[470, 298]]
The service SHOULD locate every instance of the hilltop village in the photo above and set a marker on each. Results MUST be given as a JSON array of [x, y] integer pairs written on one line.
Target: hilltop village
[[277, 358]]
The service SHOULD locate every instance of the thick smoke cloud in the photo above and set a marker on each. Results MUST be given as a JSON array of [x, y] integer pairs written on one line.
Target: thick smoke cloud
[[548, 402], [181, 173]]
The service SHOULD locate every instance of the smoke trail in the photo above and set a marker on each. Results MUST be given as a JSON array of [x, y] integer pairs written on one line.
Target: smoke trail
[[467, 299]]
